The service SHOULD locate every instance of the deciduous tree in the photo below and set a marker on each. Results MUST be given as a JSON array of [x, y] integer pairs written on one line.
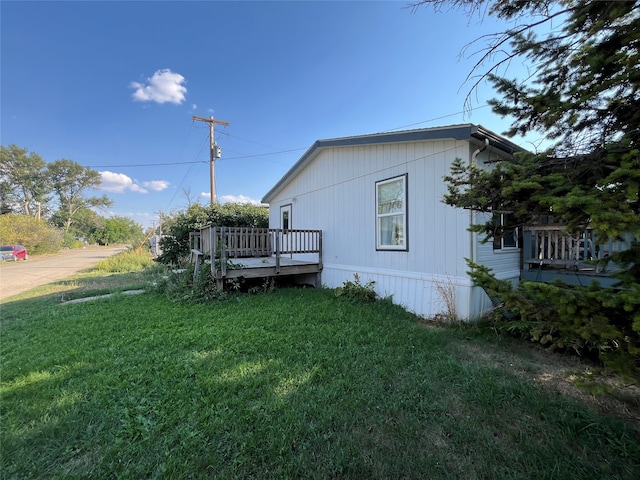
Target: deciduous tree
[[23, 181], [118, 230], [70, 180]]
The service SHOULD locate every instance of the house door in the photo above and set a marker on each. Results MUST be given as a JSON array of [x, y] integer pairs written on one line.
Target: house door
[[285, 225]]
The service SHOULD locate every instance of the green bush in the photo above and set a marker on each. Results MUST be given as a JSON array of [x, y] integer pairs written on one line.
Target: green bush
[[602, 323], [35, 234], [68, 239], [126, 262], [175, 245], [356, 291], [181, 286], [118, 230]]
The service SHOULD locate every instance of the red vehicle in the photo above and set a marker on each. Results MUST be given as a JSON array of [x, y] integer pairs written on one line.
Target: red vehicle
[[13, 252]]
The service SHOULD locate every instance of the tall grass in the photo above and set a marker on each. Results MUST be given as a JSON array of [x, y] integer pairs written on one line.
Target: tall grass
[[294, 384], [125, 262]]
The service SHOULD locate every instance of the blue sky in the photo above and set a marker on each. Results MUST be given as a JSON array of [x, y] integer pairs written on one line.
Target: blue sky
[[113, 85]]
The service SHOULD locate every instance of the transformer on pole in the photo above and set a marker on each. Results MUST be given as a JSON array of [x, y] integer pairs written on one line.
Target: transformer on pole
[[214, 150]]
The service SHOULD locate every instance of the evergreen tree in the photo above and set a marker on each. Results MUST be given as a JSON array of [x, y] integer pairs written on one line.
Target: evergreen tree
[[583, 96]]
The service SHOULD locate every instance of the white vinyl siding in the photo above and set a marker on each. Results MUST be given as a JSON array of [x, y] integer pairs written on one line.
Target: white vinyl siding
[[336, 193]]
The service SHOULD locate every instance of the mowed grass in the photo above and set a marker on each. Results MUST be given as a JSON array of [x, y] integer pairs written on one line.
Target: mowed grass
[[292, 384]]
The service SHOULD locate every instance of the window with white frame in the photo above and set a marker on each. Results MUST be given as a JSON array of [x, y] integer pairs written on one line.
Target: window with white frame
[[506, 235], [285, 218], [391, 214]]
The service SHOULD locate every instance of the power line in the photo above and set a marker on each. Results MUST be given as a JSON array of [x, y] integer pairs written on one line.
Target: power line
[[266, 154], [145, 164], [241, 157], [434, 119], [247, 140], [196, 161], [187, 173]]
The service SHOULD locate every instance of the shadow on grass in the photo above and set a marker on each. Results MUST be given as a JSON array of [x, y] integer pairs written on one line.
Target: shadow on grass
[[84, 284], [295, 384]]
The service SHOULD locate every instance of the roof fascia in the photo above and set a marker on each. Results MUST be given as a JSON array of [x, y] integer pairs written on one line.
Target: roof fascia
[[495, 140], [455, 132]]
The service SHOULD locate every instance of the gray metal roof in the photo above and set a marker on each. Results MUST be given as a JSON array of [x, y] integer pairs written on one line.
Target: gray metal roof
[[468, 131]]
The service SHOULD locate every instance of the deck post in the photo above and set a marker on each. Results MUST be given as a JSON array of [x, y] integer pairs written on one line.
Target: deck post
[[197, 256], [212, 250], [223, 260], [320, 249], [223, 251], [526, 247], [278, 250]]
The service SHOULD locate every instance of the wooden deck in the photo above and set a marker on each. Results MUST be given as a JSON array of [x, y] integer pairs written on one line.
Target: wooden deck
[[550, 253], [242, 252], [262, 267]]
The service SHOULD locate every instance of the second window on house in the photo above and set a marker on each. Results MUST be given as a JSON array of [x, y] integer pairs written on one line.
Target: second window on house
[[391, 214], [505, 236]]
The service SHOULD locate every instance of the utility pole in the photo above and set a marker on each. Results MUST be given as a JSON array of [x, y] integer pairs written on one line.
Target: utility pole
[[214, 150]]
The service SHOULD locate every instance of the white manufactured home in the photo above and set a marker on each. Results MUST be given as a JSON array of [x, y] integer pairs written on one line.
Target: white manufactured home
[[378, 200]]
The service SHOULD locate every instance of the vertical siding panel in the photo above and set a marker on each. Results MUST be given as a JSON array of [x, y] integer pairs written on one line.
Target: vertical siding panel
[[419, 214], [433, 224], [436, 258], [450, 231]]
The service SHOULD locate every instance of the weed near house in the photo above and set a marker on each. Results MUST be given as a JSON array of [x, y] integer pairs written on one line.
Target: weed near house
[[356, 291]]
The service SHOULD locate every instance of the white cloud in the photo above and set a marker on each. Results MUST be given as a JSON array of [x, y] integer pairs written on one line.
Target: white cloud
[[164, 86], [120, 183], [232, 198], [236, 199], [156, 185]]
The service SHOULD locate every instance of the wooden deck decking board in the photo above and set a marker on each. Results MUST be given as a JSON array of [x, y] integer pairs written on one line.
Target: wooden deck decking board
[[266, 267], [244, 252]]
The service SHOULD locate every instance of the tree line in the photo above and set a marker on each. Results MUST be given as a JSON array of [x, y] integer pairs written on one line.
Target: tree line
[[37, 196]]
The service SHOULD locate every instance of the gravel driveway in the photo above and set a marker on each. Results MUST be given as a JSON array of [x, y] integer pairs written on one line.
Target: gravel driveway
[[18, 277]]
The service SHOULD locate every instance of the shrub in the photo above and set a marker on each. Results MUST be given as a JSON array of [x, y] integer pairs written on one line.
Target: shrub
[[603, 323], [181, 286], [175, 245], [356, 291], [35, 234]]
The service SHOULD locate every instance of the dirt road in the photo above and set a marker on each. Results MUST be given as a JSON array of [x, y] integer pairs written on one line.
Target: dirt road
[[18, 277]]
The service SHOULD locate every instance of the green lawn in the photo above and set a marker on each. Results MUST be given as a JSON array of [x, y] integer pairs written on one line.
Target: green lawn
[[292, 384]]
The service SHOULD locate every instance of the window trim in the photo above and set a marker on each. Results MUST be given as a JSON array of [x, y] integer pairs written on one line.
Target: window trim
[[285, 209], [498, 242], [404, 247]]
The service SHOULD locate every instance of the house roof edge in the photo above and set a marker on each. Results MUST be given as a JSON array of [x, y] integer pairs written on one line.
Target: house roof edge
[[467, 131]]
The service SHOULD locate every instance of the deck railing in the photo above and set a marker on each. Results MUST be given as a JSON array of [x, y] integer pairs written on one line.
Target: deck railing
[[553, 246], [226, 243]]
